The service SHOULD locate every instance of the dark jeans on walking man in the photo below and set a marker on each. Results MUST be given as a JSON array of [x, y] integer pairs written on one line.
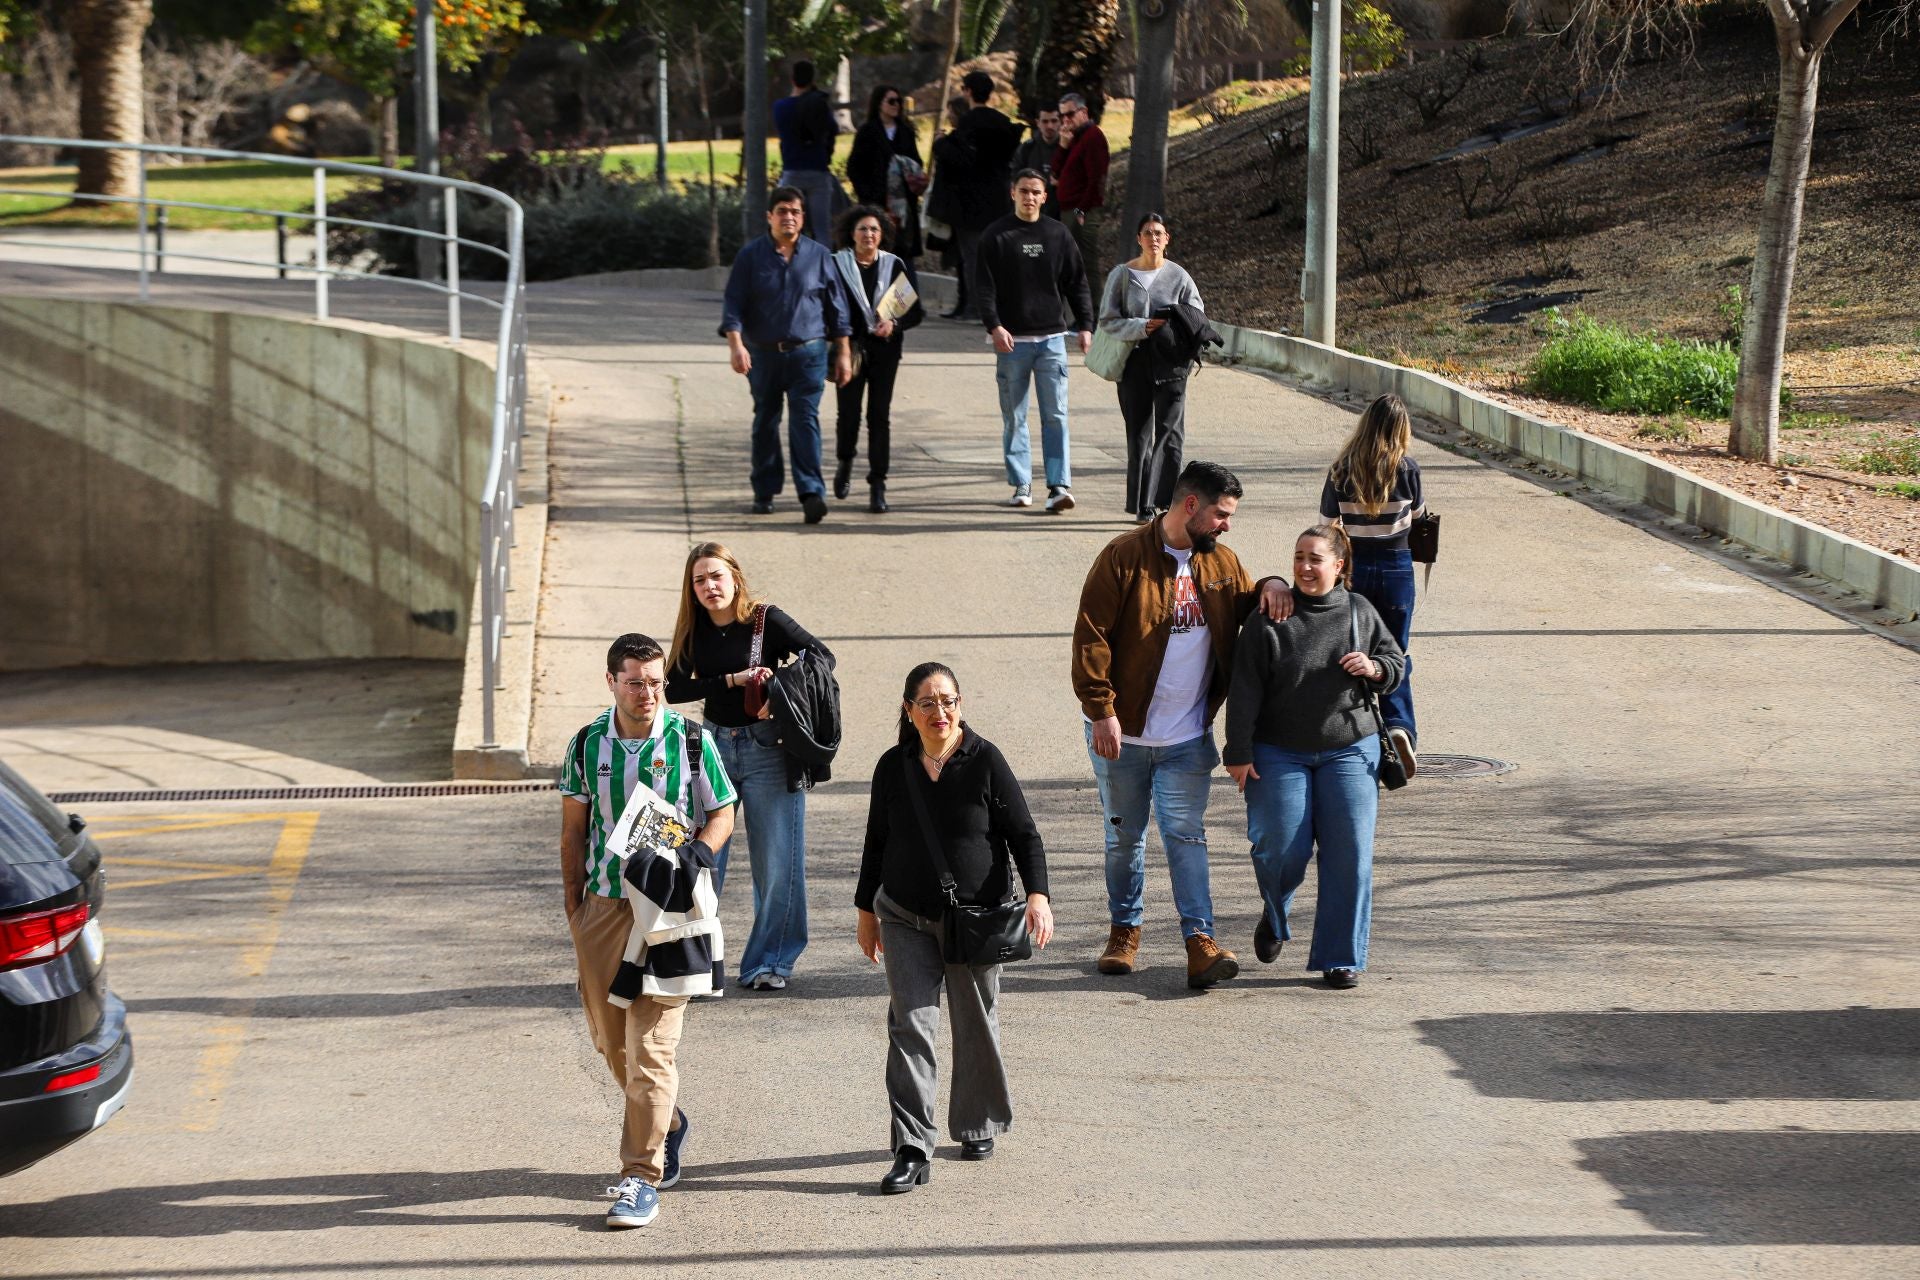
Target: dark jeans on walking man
[[791, 380]]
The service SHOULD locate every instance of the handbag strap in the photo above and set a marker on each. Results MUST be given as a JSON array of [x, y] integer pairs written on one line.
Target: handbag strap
[[927, 833], [1366, 685], [759, 635]]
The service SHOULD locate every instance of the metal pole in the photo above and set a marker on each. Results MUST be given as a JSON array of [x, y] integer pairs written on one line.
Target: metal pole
[[319, 243], [453, 264], [660, 113], [160, 240], [1318, 283], [753, 123], [141, 210], [426, 130], [280, 244]]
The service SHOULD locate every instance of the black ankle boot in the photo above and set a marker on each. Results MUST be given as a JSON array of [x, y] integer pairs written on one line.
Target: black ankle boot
[[910, 1169], [842, 477], [879, 503]]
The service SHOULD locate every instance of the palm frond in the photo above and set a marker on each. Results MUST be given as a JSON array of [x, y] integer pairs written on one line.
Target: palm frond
[[980, 25]]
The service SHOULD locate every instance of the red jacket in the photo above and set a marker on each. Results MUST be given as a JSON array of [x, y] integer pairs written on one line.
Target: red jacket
[[1080, 170]]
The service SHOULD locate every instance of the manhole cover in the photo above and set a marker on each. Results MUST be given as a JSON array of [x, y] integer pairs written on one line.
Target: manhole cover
[[1440, 766]]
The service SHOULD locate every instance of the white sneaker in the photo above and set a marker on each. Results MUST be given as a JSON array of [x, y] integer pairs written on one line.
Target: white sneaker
[[1022, 496], [1059, 500], [769, 982], [1403, 744], [635, 1204]]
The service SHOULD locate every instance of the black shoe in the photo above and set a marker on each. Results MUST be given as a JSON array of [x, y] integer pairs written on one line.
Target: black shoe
[[816, 508], [976, 1149], [1266, 943], [763, 506], [842, 477], [1341, 979], [878, 505], [910, 1170]]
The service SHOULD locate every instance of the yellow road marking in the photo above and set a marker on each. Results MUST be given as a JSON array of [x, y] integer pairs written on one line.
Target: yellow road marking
[[182, 822], [289, 856]]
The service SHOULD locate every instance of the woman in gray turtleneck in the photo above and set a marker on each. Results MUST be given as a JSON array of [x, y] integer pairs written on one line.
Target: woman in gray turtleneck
[[1303, 744], [1153, 399]]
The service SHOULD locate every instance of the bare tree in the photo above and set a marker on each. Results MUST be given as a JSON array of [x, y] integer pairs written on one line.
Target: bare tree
[[191, 88], [107, 36]]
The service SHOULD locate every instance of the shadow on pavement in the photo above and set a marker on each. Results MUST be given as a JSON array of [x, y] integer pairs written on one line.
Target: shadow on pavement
[[365, 1004], [1865, 1054], [1782, 1187]]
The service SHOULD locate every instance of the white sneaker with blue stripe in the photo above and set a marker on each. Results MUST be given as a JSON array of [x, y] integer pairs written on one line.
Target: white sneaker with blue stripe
[[635, 1204]]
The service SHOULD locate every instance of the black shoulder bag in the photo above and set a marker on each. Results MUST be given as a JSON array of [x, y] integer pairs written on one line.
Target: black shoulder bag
[[1393, 770], [969, 935]]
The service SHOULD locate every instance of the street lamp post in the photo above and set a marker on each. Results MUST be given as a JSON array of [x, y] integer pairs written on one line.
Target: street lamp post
[[1319, 280]]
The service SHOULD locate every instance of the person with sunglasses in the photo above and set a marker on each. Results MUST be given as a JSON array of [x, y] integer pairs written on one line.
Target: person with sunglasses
[[1080, 179], [1134, 305], [886, 170], [972, 803]]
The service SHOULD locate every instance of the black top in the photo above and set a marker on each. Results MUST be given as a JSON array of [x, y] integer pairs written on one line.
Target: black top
[[714, 653], [872, 156], [1028, 276], [980, 814]]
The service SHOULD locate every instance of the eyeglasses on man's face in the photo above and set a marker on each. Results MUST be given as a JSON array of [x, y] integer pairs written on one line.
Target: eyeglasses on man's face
[[927, 706], [642, 686]]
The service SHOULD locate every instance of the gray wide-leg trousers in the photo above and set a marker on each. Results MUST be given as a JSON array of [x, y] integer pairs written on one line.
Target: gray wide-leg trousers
[[979, 1104]]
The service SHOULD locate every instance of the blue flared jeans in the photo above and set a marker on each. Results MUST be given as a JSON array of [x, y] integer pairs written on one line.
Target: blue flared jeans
[[775, 822], [1324, 800]]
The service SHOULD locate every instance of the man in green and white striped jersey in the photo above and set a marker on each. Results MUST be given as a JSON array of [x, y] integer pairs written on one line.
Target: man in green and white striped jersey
[[639, 742]]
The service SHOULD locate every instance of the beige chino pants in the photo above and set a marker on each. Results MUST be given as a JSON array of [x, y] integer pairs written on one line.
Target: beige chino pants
[[638, 1043]]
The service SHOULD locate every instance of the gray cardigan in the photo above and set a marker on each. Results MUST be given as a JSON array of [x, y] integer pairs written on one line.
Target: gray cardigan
[[1289, 690], [1125, 307]]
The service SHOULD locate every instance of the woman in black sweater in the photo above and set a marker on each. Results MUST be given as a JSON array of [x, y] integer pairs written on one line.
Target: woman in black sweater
[[975, 805], [712, 659]]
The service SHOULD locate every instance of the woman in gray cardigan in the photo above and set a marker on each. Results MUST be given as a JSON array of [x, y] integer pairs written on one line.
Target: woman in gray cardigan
[[1153, 399], [1303, 744]]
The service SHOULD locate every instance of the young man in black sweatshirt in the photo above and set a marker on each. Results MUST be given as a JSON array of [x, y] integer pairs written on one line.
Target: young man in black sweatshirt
[[1031, 288]]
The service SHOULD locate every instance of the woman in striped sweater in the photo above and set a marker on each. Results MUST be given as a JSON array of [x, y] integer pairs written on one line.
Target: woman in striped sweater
[[1373, 492]]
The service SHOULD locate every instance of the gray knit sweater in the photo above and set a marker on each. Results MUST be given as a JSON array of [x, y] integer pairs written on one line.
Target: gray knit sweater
[[1289, 690]]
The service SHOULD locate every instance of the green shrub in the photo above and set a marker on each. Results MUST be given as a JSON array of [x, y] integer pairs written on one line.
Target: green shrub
[[1673, 429], [1612, 369], [1887, 456]]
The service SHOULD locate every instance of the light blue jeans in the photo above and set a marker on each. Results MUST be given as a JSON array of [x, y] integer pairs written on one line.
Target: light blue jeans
[[1045, 365], [1325, 798], [1174, 781], [775, 822]]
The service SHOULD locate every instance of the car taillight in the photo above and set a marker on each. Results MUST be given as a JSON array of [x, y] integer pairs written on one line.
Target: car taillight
[[85, 1075], [39, 936]]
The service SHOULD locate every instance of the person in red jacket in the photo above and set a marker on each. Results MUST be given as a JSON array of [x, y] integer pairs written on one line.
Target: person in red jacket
[[1080, 181]]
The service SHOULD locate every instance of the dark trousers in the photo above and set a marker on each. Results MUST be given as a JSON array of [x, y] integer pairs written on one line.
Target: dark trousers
[[1385, 580], [1156, 418], [875, 383], [967, 241], [1088, 227], [790, 380]]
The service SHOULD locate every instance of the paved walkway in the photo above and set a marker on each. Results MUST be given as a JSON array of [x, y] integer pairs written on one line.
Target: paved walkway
[[1645, 1006]]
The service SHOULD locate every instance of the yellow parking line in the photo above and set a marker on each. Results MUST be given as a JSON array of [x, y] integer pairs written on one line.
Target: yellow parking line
[[181, 822]]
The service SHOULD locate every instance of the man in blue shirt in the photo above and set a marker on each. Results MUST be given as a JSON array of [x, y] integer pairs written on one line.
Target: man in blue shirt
[[804, 120], [783, 307]]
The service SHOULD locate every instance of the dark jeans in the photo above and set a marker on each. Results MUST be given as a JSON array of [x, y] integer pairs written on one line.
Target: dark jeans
[[1156, 418], [875, 382], [793, 380], [1385, 579]]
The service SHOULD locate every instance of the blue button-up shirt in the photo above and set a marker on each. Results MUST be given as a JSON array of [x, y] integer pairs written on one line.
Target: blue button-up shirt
[[772, 299]]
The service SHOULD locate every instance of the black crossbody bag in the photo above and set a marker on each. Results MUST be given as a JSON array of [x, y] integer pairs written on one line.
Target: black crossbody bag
[[969, 935], [1393, 770]]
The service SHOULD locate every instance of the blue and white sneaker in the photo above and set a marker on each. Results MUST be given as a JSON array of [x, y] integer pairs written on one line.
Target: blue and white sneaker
[[676, 1143], [635, 1204]]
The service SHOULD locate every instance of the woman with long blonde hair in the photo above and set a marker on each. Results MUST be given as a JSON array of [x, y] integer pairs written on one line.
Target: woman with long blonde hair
[[1373, 493], [714, 659]]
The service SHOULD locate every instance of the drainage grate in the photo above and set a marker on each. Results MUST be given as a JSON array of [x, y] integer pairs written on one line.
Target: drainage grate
[[371, 791], [1439, 766]]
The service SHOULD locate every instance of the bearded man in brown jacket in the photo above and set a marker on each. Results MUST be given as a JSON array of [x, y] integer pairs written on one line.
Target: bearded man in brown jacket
[[1152, 657]]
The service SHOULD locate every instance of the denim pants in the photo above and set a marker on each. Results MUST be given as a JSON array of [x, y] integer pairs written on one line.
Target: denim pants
[[775, 822], [1325, 798], [1045, 363], [816, 189], [793, 380], [1385, 580], [1174, 780]]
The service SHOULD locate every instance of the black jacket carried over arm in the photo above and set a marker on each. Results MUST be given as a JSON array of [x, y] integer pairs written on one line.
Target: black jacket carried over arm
[[714, 653], [980, 814], [1175, 346], [805, 698]]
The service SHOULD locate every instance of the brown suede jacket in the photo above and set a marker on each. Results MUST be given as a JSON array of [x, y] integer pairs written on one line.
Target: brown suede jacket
[[1126, 613]]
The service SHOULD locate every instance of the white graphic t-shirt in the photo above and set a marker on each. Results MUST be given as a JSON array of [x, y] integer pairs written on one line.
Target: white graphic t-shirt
[[1178, 712]]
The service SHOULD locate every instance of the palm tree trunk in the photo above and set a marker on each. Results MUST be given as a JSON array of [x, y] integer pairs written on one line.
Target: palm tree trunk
[[947, 88], [1763, 340], [106, 51], [386, 114], [1152, 104]]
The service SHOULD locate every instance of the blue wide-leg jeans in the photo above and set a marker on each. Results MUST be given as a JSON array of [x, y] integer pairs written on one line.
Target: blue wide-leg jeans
[[791, 380], [1330, 799], [1174, 781], [1385, 580], [775, 822]]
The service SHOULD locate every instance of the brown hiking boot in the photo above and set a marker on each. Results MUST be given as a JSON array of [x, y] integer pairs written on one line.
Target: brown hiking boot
[[1123, 944], [1208, 962]]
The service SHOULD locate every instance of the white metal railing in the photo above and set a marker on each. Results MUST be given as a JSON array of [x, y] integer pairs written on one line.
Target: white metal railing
[[500, 495]]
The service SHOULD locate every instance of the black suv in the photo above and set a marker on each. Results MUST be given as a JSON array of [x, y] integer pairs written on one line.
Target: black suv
[[66, 1059]]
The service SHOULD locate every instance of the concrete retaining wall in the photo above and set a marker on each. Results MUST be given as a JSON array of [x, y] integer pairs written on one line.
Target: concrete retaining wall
[[192, 486], [1887, 581]]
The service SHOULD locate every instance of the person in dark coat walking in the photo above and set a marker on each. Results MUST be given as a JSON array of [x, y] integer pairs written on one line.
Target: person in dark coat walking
[[886, 170], [868, 271]]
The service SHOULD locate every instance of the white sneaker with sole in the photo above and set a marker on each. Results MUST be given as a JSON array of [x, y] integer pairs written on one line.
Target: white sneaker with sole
[[1022, 496], [635, 1204], [1059, 500], [769, 982], [1403, 744]]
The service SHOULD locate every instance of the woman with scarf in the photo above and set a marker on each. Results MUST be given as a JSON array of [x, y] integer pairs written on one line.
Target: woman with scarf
[[869, 272]]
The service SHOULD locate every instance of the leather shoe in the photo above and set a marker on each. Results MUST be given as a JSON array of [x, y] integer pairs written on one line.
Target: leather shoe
[[815, 506], [1266, 943], [878, 505], [976, 1149], [1342, 979], [910, 1169], [763, 506], [842, 477]]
